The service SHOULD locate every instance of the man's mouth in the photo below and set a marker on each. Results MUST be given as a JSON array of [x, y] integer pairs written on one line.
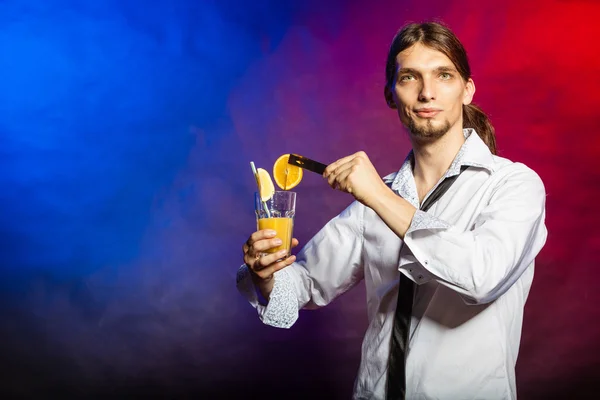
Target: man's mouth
[[427, 112]]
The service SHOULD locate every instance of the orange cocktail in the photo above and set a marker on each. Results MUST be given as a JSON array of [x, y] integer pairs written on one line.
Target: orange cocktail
[[276, 209], [284, 227], [277, 213]]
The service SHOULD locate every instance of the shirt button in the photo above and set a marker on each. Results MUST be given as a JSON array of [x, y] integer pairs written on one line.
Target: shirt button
[[426, 262], [420, 276], [410, 270]]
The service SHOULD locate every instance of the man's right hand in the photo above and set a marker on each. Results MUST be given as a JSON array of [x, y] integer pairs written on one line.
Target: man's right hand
[[262, 266]]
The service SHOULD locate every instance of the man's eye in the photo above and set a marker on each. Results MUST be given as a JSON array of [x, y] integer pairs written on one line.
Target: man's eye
[[445, 75], [406, 78]]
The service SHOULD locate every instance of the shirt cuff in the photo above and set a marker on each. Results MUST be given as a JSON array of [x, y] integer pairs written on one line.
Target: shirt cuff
[[421, 220], [423, 248], [282, 309], [413, 261]]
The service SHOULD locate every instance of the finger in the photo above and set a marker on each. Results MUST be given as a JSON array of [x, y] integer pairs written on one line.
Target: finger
[[265, 244], [253, 260], [343, 180], [249, 260], [245, 246], [335, 174], [265, 273], [268, 259], [255, 251], [331, 167], [294, 242], [259, 235], [361, 154], [334, 165]]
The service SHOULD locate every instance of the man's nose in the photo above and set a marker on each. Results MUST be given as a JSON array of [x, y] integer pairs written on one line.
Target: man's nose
[[427, 92]]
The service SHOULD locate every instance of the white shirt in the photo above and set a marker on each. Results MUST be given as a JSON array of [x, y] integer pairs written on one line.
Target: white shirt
[[472, 258]]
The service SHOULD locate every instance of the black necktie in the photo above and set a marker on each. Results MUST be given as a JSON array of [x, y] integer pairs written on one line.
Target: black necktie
[[396, 379]]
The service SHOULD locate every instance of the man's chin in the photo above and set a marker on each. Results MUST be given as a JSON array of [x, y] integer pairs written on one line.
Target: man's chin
[[427, 130]]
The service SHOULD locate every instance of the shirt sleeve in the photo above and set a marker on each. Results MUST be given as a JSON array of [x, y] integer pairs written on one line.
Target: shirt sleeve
[[329, 265], [483, 263]]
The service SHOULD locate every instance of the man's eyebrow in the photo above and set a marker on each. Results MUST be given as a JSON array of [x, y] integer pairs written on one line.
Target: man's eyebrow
[[442, 68], [407, 71], [445, 69]]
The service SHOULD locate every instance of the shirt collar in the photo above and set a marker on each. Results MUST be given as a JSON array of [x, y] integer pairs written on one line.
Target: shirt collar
[[473, 153]]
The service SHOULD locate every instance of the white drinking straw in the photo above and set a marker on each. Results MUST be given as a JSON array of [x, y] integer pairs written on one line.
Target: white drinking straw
[[258, 185]]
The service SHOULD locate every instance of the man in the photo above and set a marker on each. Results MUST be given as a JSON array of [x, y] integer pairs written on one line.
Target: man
[[466, 265]]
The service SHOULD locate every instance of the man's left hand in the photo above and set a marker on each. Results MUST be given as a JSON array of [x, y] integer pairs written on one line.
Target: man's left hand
[[356, 175]]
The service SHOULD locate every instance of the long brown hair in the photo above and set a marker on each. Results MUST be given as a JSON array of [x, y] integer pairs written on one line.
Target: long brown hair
[[440, 38]]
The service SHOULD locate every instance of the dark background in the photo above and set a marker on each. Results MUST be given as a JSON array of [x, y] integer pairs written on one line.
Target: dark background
[[126, 132]]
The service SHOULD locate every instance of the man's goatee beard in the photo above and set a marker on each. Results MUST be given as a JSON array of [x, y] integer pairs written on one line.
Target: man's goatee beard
[[428, 132]]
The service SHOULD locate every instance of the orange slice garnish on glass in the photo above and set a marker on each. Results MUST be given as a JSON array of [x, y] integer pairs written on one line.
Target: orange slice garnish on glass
[[265, 184], [286, 176]]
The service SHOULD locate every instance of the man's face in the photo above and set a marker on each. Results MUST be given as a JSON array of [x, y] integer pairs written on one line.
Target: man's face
[[428, 92]]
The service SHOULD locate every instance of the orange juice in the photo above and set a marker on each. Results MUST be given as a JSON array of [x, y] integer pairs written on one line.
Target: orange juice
[[283, 227]]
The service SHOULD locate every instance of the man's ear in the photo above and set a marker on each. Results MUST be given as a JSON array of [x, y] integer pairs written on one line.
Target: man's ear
[[469, 92], [389, 99]]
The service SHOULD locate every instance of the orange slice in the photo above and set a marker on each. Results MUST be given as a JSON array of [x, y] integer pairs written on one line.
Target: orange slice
[[265, 184], [286, 176]]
